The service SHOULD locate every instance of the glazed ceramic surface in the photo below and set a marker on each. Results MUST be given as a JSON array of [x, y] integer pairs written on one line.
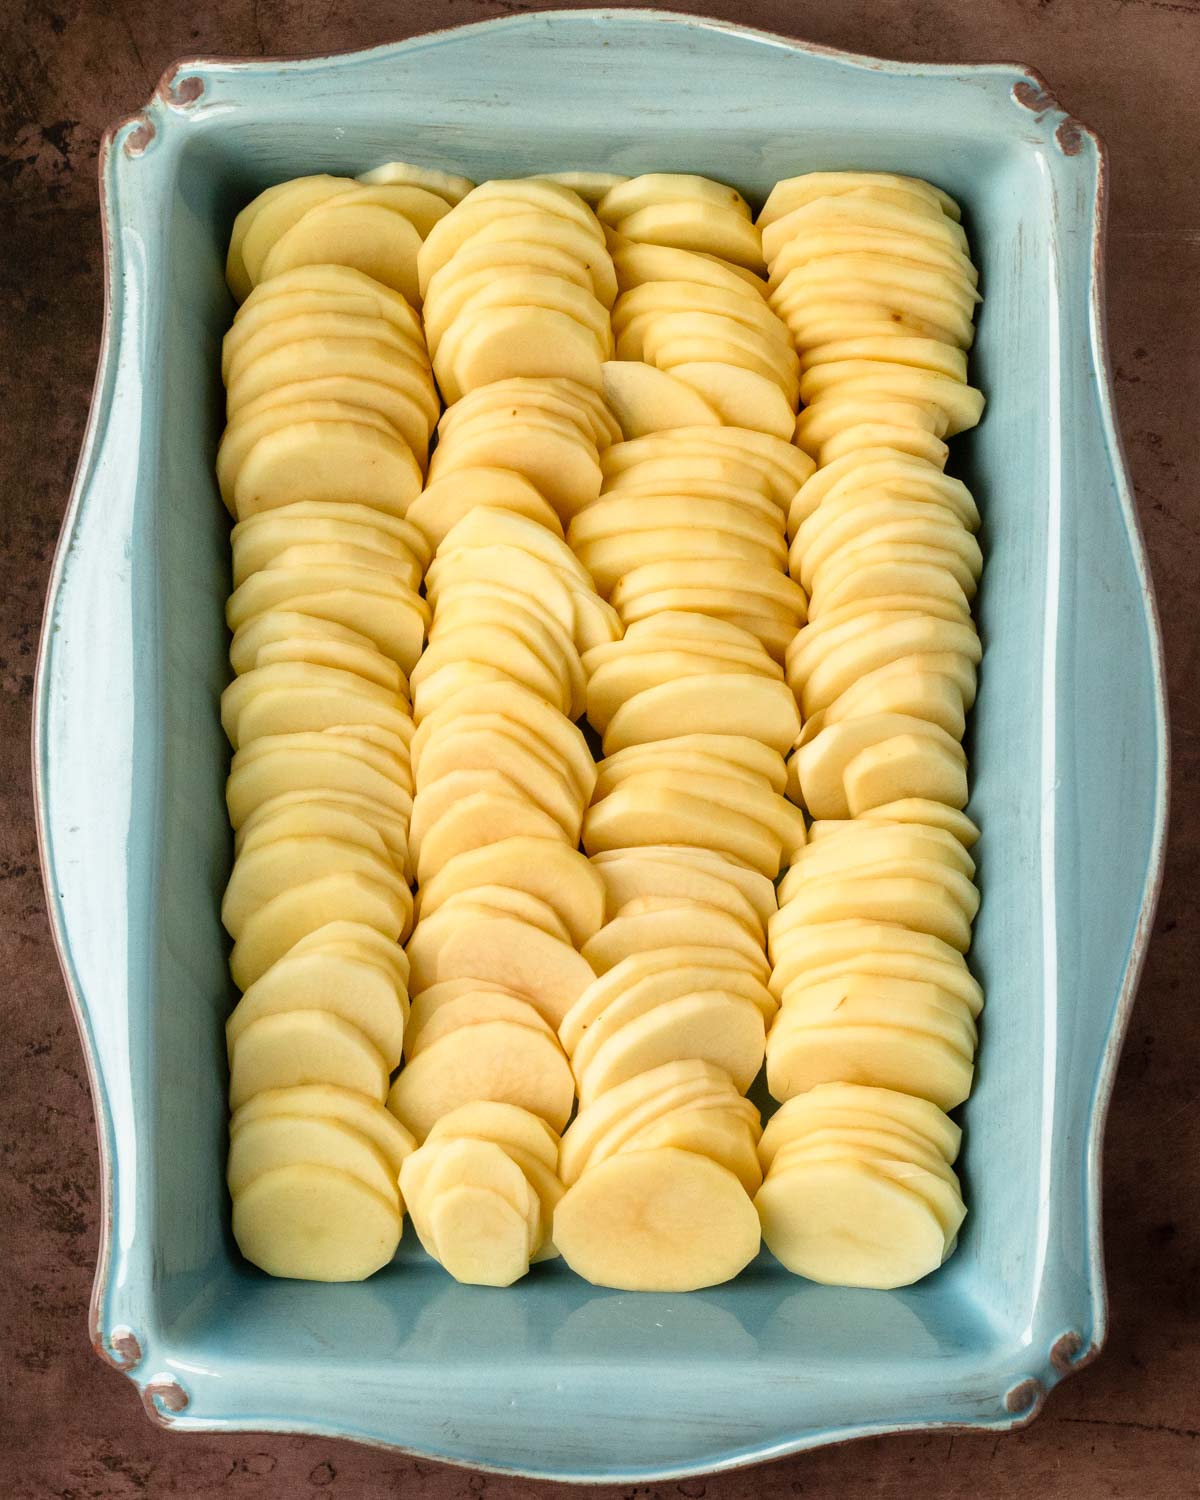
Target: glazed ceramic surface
[[1067, 746]]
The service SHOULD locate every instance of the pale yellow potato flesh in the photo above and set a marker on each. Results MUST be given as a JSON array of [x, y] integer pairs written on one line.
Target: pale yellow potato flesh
[[714, 1025], [512, 1127], [267, 217], [318, 818], [360, 993], [733, 704], [740, 397], [645, 399], [303, 1047], [365, 236], [314, 763], [326, 1101], [482, 818], [660, 1220], [891, 1110], [559, 875], [888, 1056], [262, 874], [647, 923], [274, 1141], [472, 1009], [315, 1223], [446, 501], [843, 1223], [626, 879], [499, 1060], [270, 930], [447, 185]]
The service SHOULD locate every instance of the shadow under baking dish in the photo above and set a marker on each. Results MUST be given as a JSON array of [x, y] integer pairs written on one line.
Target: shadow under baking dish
[[555, 1377]]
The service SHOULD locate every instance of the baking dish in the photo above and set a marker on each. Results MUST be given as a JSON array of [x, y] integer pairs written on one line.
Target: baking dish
[[1068, 746]]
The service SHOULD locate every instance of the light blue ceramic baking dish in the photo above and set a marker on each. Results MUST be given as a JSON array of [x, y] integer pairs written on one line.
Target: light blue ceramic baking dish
[[1068, 745]]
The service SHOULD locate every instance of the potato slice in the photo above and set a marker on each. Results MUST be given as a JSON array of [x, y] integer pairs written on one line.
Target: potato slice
[[619, 517], [421, 207], [836, 1102], [627, 879], [304, 1046], [524, 766], [883, 1000], [661, 1220], [905, 766], [491, 526], [510, 1127], [857, 193], [256, 420], [294, 816], [550, 972], [337, 281], [478, 820], [360, 942], [360, 993], [887, 1150], [634, 815], [515, 287], [613, 558], [637, 263], [474, 1008], [366, 236], [872, 640], [505, 566], [636, 193], [502, 342], [740, 397], [935, 814], [459, 235], [277, 635], [326, 461], [905, 687], [315, 1223], [670, 339], [486, 608], [645, 399], [699, 225], [800, 1056], [642, 925], [480, 902], [445, 184], [589, 1034], [279, 322], [315, 764], [491, 1060], [392, 617], [784, 467], [370, 362], [516, 704], [444, 502], [559, 875], [265, 871], [549, 452], [480, 1238], [722, 1028], [582, 407], [888, 525], [743, 704], [810, 946], [709, 1133], [313, 697], [263, 537], [482, 257], [925, 905], [267, 217], [325, 1101], [823, 764], [273, 928], [274, 1141], [856, 845], [497, 648], [616, 682], [638, 310], [845, 1224]]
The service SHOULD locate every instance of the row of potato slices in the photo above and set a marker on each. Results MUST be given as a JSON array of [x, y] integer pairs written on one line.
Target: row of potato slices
[[885, 668], [329, 394], [692, 520], [901, 1012], [375, 224], [872, 274], [859, 1186], [516, 281], [694, 333]]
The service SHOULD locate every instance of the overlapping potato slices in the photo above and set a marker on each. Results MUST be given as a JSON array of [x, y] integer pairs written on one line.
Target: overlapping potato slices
[[872, 275], [859, 1186], [482, 1190], [658, 1171]]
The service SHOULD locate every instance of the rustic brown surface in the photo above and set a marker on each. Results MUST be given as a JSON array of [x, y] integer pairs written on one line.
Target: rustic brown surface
[[1130, 1425]]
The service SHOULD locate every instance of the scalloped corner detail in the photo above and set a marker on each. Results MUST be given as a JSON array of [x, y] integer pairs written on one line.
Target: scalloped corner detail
[[179, 88], [1025, 1399], [1069, 136], [1033, 93], [164, 1399], [141, 137], [122, 1349]]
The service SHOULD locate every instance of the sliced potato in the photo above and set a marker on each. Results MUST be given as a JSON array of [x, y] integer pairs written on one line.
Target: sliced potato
[[530, 962], [444, 502], [325, 1101], [301, 1047], [274, 1141], [366, 236], [645, 399], [740, 397], [660, 1220], [315, 1223], [492, 1060], [719, 704], [548, 869]]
